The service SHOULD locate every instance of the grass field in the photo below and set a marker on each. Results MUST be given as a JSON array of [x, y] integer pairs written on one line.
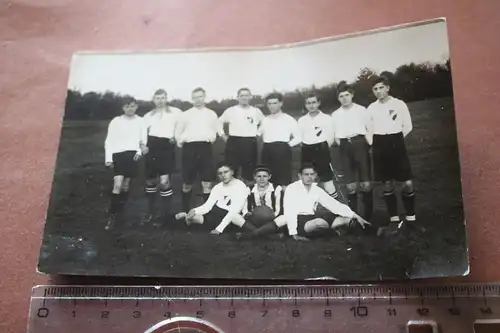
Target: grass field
[[76, 243]]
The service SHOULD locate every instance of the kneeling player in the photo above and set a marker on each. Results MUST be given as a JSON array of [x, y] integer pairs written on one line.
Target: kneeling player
[[224, 204], [301, 200], [264, 206], [123, 149]]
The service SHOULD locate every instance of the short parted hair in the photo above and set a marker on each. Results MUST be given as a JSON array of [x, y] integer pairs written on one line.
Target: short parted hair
[[381, 79], [343, 87], [312, 94], [198, 89], [243, 89], [274, 95], [160, 92], [260, 168], [126, 100], [307, 166], [225, 164]]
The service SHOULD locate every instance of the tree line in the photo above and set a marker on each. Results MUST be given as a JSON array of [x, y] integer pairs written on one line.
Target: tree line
[[410, 82]]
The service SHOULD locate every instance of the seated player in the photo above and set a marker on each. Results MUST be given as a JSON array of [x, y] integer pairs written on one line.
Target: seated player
[[123, 148], [224, 204], [301, 200], [264, 206]]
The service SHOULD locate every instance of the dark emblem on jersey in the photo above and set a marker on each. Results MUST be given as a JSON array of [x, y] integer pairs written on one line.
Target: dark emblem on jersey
[[250, 119], [393, 114], [318, 130], [227, 200]]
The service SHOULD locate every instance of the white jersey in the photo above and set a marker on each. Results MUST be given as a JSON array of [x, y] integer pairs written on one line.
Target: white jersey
[[230, 197], [299, 201], [316, 129], [243, 121], [124, 134], [162, 123], [280, 127], [198, 125], [390, 117], [350, 122]]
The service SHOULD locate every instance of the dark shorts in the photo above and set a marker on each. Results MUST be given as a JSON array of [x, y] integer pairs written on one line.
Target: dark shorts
[[242, 152], [197, 159], [160, 160], [124, 164], [214, 217], [390, 159], [277, 156], [303, 219], [355, 159], [318, 155]]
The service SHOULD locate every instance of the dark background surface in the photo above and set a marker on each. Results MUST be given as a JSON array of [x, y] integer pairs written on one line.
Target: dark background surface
[[38, 39]]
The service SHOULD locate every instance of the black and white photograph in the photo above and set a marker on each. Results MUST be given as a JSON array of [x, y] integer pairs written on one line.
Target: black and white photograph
[[334, 158]]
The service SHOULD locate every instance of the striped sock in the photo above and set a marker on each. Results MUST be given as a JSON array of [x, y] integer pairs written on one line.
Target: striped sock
[[166, 196], [392, 205], [151, 195], [409, 204]]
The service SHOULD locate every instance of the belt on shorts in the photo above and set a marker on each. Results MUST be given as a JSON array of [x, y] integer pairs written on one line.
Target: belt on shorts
[[352, 138]]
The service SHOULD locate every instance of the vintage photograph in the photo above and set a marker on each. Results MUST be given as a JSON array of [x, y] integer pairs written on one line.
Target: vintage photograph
[[334, 159]]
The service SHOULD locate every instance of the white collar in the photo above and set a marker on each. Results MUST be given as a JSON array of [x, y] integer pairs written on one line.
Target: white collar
[[269, 189]]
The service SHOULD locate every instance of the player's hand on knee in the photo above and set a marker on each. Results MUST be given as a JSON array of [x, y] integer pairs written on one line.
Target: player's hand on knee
[[109, 164], [137, 156], [225, 137], [300, 238], [215, 232], [362, 222], [144, 149]]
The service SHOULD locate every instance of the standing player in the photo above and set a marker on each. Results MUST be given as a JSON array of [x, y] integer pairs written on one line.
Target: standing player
[[280, 132], [224, 204], [301, 200], [317, 137], [196, 132], [241, 144], [390, 124], [122, 150], [351, 130], [160, 160]]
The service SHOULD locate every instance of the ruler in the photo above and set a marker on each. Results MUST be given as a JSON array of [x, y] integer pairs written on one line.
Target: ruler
[[401, 308]]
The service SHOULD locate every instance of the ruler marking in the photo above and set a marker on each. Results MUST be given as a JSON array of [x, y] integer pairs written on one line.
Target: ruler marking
[[327, 297], [421, 297], [390, 297], [453, 297], [44, 295], [359, 298], [484, 298], [137, 303], [106, 303], [295, 298]]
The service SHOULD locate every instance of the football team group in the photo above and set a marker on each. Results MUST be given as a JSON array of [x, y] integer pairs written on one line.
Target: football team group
[[263, 198]]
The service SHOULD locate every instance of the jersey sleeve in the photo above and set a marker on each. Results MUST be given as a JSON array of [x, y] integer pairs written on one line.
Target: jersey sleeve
[[278, 195], [237, 203], [209, 204], [296, 134], [217, 125], [179, 127], [110, 141], [333, 205], [406, 118]]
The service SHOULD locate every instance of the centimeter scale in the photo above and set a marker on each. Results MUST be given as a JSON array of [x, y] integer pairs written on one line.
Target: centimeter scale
[[402, 308]]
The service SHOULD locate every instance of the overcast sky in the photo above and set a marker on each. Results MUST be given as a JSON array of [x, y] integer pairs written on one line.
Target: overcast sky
[[221, 73]]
